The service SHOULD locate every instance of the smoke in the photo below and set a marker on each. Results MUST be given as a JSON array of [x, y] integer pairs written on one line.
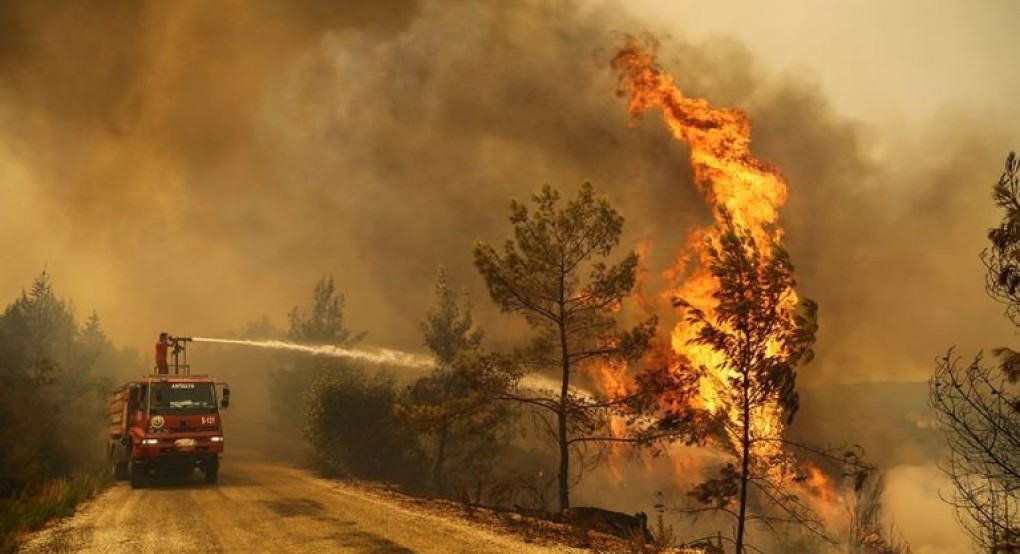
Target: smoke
[[195, 166], [910, 490]]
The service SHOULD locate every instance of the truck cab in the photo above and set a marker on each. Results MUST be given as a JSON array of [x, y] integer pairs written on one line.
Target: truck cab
[[167, 424]]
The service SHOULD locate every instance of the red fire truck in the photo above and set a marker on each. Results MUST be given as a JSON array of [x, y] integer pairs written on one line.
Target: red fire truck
[[167, 424]]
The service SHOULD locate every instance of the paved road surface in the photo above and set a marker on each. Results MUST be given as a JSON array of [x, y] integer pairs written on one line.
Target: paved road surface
[[260, 507]]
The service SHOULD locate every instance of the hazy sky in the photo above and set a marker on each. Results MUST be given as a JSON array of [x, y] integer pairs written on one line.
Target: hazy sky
[[876, 60], [194, 166]]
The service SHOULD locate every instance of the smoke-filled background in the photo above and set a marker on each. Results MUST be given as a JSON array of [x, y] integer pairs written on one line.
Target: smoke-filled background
[[193, 166]]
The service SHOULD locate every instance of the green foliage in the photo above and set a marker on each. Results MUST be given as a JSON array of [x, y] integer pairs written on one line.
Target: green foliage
[[54, 375], [447, 326], [322, 324], [552, 272], [52, 404], [454, 410], [351, 424]]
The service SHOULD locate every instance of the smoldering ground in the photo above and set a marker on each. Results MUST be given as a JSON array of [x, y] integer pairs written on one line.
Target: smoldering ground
[[194, 166]]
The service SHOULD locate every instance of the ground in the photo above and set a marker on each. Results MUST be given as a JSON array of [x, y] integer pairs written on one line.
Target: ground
[[259, 506]]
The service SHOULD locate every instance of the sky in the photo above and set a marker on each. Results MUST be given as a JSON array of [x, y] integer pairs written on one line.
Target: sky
[[193, 167]]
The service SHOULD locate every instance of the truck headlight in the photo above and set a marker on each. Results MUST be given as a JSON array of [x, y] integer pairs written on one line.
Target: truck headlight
[[216, 439], [149, 442]]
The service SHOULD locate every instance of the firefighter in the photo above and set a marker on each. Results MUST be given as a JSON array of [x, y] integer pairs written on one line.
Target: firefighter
[[161, 349]]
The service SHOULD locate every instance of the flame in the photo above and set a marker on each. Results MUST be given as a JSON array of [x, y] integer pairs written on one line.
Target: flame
[[820, 485], [731, 179], [822, 493]]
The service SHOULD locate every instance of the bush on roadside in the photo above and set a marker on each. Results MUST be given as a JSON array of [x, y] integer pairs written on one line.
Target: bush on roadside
[[354, 432]]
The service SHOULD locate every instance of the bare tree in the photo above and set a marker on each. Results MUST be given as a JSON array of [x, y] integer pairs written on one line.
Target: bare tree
[[978, 405], [866, 532]]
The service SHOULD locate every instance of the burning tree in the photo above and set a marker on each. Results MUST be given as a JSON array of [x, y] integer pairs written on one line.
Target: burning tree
[[744, 330], [455, 407], [979, 406], [540, 274], [758, 340]]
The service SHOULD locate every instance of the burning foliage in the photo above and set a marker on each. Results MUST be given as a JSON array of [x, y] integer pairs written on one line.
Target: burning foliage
[[741, 333]]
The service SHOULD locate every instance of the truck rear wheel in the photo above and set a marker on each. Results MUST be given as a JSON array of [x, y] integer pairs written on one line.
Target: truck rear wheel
[[136, 473], [119, 470]]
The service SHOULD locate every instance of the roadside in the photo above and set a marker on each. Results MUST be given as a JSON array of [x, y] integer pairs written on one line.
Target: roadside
[[55, 499]]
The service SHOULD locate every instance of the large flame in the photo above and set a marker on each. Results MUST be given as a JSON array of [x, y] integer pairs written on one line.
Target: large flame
[[730, 177], [752, 192]]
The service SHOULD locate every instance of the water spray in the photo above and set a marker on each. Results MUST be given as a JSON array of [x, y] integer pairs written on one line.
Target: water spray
[[378, 356]]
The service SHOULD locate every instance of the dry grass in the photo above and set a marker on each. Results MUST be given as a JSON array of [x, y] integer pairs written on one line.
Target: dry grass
[[55, 498]]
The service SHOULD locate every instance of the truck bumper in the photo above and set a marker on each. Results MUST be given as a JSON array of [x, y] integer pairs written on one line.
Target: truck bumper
[[176, 465], [169, 450]]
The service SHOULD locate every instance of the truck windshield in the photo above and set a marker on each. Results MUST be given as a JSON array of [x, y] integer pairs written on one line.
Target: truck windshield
[[182, 397]]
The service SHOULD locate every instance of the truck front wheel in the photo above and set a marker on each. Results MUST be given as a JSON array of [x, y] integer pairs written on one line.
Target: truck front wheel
[[118, 467], [212, 472], [136, 473]]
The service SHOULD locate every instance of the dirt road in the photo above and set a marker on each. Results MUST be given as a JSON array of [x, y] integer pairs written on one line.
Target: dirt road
[[261, 507]]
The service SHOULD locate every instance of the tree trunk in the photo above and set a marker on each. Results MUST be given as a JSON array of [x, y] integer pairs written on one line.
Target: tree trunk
[[564, 474], [437, 467], [745, 464]]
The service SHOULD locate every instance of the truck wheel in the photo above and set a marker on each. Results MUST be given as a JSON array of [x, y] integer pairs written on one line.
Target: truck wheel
[[212, 473], [136, 472], [119, 470]]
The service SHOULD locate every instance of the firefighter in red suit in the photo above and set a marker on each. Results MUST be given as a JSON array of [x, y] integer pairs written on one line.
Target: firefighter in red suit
[[161, 350]]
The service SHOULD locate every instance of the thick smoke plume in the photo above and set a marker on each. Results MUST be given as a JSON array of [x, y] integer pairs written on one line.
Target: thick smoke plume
[[194, 166]]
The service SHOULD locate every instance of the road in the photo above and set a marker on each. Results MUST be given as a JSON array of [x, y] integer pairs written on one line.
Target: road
[[261, 507]]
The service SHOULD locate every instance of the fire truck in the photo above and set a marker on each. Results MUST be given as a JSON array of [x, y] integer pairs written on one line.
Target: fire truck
[[167, 423]]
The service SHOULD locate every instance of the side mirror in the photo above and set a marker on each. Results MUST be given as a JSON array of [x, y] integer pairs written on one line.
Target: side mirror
[[225, 399]]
